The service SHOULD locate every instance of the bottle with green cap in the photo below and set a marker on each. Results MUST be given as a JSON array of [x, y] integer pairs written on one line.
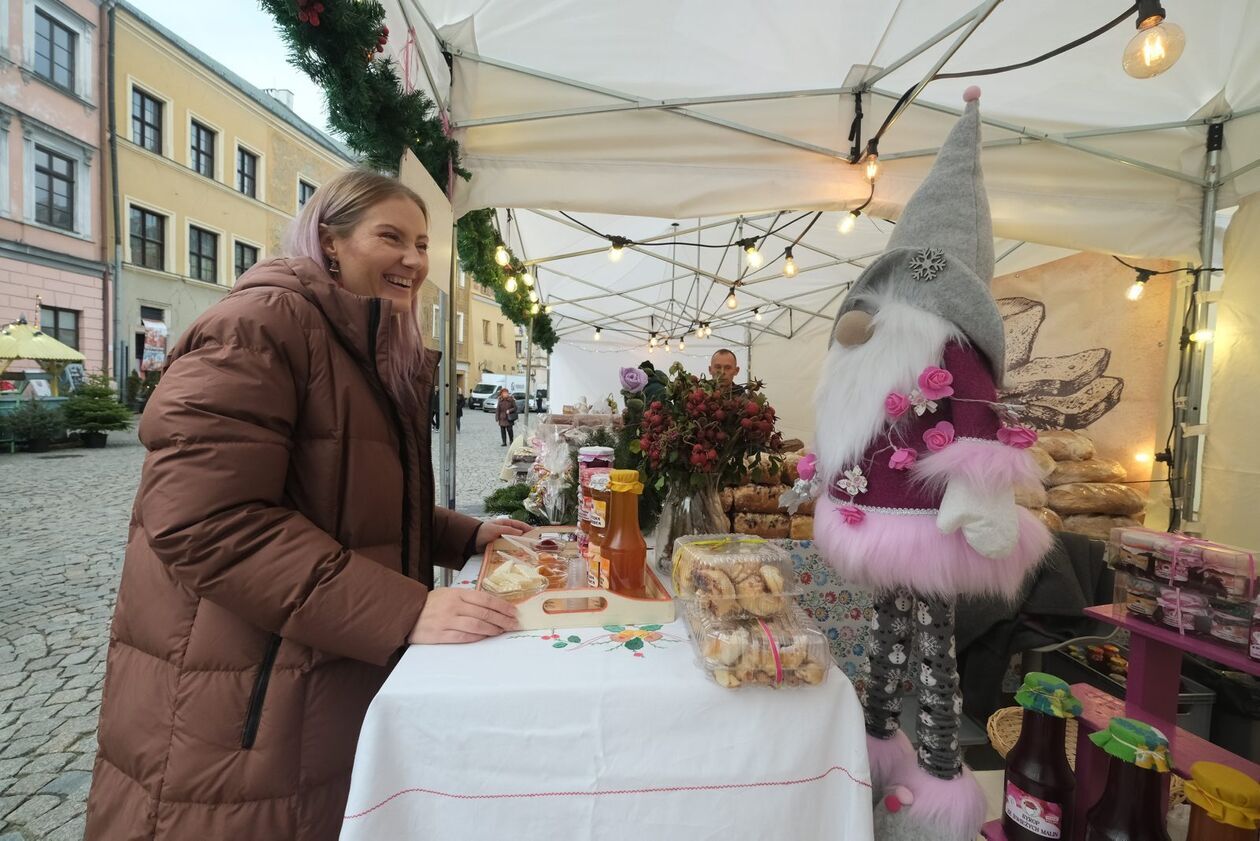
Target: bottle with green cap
[[1130, 806], [1040, 786]]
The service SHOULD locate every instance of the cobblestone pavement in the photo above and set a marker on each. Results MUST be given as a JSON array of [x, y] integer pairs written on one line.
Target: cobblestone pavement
[[65, 523]]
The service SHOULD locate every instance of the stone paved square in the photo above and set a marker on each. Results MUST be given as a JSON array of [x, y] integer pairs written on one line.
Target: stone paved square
[[65, 517]]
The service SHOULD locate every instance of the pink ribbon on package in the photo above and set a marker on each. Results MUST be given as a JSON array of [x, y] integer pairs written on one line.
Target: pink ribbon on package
[[774, 652]]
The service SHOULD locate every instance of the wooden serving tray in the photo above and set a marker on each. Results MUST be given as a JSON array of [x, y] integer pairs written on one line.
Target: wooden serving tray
[[583, 607]]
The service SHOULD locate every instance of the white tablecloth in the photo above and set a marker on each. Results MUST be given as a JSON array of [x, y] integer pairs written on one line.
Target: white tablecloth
[[607, 734]]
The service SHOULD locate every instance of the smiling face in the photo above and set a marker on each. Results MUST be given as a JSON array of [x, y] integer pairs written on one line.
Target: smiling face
[[386, 255]]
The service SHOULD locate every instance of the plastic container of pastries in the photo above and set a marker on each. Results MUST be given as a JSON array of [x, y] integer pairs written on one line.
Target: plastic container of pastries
[[732, 576], [787, 650], [1229, 573]]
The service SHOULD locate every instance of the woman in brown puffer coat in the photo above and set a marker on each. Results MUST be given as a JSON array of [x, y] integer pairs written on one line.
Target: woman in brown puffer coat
[[283, 538]]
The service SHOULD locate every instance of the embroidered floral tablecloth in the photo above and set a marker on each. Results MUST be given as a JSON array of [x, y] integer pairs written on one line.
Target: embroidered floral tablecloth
[[610, 733]]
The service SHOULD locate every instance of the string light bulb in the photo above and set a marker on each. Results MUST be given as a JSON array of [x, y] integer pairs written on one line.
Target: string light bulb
[[533, 297], [1138, 287], [1142, 458], [510, 283], [731, 301], [1156, 46], [501, 255], [699, 332], [708, 331], [752, 254], [527, 279], [547, 309], [789, 264], [872, 167], [848, 221], [652, 341], [757, 313], [618, 245], [682, 343], [1202, 336], [667, 345], [597, 334], [533, 310]]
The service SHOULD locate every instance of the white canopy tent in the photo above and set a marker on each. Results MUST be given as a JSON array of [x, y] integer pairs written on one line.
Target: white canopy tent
[[718, 116]]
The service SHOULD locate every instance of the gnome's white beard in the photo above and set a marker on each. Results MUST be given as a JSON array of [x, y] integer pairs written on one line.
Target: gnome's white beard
[[854, 382]]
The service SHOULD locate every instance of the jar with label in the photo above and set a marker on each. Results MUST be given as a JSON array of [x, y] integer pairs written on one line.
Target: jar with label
[[1184, 610], [1224, 804], [624, 547], [591, 460], [1130, 806], [1039, 785]]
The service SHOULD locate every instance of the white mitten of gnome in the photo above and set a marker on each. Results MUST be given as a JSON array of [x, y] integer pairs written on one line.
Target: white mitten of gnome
[[988, 517]]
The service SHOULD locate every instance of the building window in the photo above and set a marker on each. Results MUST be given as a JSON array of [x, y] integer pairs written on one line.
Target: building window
[[146, 121], [459, 327], [499, 334], [203, 254], [148, 238], [520, 348], [54, 189], [247, 173], [463, 280], [436, 326], [246, 255], [203, 149], [54, 50], [305, 191], [485, 331], [62, 325]]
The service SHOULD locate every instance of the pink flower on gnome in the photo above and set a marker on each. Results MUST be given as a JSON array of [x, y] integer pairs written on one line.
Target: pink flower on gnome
[[896, 404], [1019, 437], [852, 515], [903, 459], [936, 383], [807, 466], [939, 437]]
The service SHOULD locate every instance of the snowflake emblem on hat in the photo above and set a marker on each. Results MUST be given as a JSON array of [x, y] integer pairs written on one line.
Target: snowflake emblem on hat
[[853, 482], [927, 264]]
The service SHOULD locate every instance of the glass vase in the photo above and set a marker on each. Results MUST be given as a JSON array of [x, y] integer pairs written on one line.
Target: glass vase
[[688, 510]]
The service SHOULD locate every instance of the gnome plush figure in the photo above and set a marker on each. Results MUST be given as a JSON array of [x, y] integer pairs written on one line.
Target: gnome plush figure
[[916, 465]]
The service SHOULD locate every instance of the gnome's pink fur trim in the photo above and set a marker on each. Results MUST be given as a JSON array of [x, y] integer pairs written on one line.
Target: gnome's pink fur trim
[[886, 551], [889, 759], [957, 806], [986, 464]]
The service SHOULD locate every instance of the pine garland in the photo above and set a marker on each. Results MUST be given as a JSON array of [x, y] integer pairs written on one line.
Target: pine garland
[[337, 43]]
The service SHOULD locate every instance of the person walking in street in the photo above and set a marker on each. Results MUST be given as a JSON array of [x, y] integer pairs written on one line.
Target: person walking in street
[[505, 414], [459, 409], [282, 542]]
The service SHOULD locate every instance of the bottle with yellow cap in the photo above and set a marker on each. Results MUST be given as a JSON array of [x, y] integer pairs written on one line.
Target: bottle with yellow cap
[[624, 548], [1224, 804]]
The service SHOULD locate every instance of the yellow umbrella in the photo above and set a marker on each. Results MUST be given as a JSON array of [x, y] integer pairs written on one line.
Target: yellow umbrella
[[19, 340]]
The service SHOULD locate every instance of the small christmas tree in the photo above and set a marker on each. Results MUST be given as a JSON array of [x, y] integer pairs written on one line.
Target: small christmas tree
[[94, 407]]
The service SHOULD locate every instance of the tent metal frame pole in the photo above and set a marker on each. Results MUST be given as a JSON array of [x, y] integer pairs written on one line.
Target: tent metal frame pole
[[448, 411], [921, 49], [1188, 442], [657, 238]]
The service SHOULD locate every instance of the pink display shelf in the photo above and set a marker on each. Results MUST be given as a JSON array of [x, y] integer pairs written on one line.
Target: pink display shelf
[[1234, 658]]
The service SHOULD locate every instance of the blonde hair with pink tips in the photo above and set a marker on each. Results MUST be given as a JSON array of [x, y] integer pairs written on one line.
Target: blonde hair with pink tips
[[338, 206]]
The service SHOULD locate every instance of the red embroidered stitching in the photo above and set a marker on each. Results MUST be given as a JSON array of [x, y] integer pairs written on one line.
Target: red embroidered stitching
[[657, 790]]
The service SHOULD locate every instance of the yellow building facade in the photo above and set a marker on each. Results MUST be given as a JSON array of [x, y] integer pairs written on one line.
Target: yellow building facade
[[210, 172], [493, 336]]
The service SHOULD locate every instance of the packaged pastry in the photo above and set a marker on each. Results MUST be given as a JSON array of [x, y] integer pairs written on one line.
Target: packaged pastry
[[1185, 610], [787, 650], [1231, 623], [1176, 562], [1140, 597], [728, 576], [1229, 573]]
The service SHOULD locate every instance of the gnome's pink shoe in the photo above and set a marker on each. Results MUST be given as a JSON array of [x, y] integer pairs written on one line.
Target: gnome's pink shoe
[[921, 807]]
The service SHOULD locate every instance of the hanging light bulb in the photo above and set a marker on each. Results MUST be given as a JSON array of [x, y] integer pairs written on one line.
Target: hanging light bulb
[[1142, 458], [682, 343], [527, 279], [789, 264], [848, 221], [1156, 46], [699, 332], [757, 313], [597, 334], [533, 297], [614, 250], [1202, 336], [667, 345], [752, 254], [533, 310], [547, 309], [652, 341], [1138, 287], [510, 283], [731, 301], [872, 167], [501, 254], [708, 331]]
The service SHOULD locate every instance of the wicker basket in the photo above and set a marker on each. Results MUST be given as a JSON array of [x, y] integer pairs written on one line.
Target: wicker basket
[[1004, 726]]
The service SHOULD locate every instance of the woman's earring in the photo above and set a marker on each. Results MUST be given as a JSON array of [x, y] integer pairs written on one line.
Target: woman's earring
[[334, 267]]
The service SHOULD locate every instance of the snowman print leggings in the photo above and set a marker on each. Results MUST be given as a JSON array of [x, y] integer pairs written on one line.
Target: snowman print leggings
[[905, 624]]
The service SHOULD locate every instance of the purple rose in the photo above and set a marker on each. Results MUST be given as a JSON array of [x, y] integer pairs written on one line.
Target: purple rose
[[896, 404], [1019, 437], [903, 459], [939, 437], [936, 383], [633, 379]]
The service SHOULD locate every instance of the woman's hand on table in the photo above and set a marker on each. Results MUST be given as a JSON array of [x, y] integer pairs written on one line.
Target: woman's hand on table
[[492, 530], [455, 615]]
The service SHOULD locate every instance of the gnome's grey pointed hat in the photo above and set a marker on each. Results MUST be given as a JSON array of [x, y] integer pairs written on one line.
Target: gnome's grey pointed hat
[[940, 255]]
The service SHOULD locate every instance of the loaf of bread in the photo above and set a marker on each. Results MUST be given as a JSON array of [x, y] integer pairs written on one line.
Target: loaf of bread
[[807, 507], [727, 496], [1089, 470], [788, 474], [758, 499], [1098, 526], [1052, 520], [1095, 498], [801, 527], [762, 525], [1044, 463], [1031, 497], [1065, 444]]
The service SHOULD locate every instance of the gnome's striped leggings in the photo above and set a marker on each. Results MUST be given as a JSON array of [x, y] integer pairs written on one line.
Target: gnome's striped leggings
[[907, 630]]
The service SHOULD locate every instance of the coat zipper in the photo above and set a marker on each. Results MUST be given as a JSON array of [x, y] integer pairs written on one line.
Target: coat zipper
[[253, 714], [374, 323]]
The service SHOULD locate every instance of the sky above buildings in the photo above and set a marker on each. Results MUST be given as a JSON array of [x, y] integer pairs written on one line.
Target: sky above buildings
[[240, 35]]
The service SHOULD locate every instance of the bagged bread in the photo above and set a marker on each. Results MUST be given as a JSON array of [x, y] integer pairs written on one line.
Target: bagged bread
[[801, 527], [1052, 520], [762, 525], [1065, 444], [1044, 463], [1098, 526], [759, 499], [1089, 470], [727, 495], [807, 507], [1031, 497], [788, 475], [1095, 498]]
